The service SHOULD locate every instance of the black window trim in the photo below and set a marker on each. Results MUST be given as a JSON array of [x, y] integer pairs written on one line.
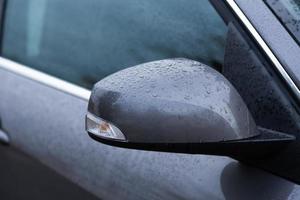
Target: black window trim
[[283, 65]]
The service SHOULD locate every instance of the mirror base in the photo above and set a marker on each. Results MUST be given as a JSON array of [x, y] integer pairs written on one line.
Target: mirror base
[[268, 142]]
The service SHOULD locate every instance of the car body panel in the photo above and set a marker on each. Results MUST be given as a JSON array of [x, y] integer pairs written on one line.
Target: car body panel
[[49, 126], [47, 123], [23, 177]]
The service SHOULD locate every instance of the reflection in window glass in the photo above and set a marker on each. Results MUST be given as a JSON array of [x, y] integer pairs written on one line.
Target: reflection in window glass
[[84, 41]]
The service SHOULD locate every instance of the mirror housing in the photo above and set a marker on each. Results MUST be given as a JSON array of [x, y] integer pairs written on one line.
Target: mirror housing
[[173, 105]]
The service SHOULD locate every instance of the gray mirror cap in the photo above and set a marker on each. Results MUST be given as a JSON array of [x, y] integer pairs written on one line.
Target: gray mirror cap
[[172, 101]]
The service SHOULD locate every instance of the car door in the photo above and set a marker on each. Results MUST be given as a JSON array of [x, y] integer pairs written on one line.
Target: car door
[[52, 52]]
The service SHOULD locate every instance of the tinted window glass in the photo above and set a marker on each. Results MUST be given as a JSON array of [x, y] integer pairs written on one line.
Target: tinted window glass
[[84, 41], [288, 12]]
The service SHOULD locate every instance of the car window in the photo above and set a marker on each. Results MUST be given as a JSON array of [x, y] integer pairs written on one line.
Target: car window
[[288, 12], [84, 41]]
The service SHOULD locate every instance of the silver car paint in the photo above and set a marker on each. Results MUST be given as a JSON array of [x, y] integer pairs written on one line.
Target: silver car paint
[[172, 100], [49, 125]]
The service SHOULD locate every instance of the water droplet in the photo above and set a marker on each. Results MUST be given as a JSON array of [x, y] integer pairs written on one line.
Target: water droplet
[[187, 97]]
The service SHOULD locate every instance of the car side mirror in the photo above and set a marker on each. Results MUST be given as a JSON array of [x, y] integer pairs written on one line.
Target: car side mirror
[[176, 105]]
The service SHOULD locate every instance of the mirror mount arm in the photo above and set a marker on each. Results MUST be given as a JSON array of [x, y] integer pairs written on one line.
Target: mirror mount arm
[[267, 143]]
